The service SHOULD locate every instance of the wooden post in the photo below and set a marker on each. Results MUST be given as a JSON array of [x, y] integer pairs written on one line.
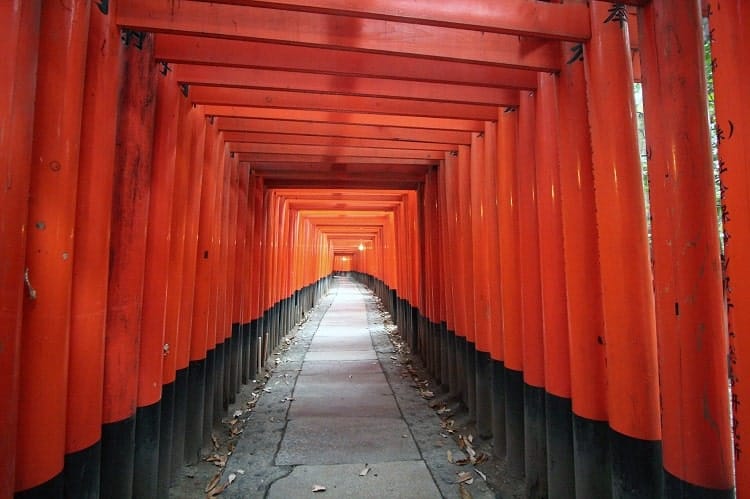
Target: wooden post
[[40, 444], [730, 48], [20, 45], [91, 264], [627, 296], [696, 434]]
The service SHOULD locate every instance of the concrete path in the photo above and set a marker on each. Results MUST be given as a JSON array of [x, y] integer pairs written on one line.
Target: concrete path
[[338, 413]]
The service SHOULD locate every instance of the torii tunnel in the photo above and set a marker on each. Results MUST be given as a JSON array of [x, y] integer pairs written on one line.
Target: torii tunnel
[[180, 180]]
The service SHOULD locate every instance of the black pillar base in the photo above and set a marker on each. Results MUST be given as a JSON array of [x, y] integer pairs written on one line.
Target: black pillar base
[[166, 433], [560, 471], [636, 467], [118, 455], [195, 401], [591, 458], [497, 396], [180, 422], [535, 443], [483, 391], [82, 472], [146, 471]]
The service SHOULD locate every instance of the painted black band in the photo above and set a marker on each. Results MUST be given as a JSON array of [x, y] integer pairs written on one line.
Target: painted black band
[[591, 458], [118, 456], [82, 472], [560, 471], [146, 467]]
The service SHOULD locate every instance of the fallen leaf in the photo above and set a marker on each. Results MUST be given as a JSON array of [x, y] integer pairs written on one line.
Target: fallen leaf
[[213, 482], [482, 475], [218, 490], [318, 488], [231, 478], [465, 477], [450, 456], [464, 492], [365, 471], [237, 413], [267, 390], [241, 472]]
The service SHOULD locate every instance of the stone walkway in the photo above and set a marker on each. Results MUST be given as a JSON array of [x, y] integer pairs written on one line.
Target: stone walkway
[[336, 413]]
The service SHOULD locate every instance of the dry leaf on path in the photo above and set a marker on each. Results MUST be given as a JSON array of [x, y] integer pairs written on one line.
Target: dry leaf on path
[[365, 470], [465, 477], [464, 492], [450, 456], [482, 475], [318, 488], [213, 482]]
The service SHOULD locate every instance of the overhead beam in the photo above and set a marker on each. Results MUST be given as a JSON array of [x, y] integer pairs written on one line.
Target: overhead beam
[[333, 150], [519, 17], [335, 103], [269, 79], [313, 128], [303, 115], [303, 159], [341, 32], [254, 54], [317, 140]]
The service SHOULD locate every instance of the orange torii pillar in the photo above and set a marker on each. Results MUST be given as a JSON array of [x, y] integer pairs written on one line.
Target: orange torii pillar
[[496, 367], [455, 264], [510, 289], [467, 347], [427, 309], [583, 286], [20, 48], [193, 159], [241, 275], [217, 345], [730, 48], [43, 375], [225, 296], [447, 264], [148, 413], [91, 263], [696, 432], [560, 474], [246, 278], [173, 372], [130, 206], [481, 306], [206, 259], [627, 294], [535, 448]]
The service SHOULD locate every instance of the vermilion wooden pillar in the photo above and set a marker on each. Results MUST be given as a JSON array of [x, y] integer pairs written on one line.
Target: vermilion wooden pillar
[[446, 229], [583, 286], [535, 447], [206, 260], [158, 259], [730, 47], [481, 307], [40, 445], [464, 240], [510, 293], [194, 162], [91, 264], [240, 319], [174, 374], [627, 295], [560, 472], [130, 207], [20, 46], [696, 435], [496, 367]]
